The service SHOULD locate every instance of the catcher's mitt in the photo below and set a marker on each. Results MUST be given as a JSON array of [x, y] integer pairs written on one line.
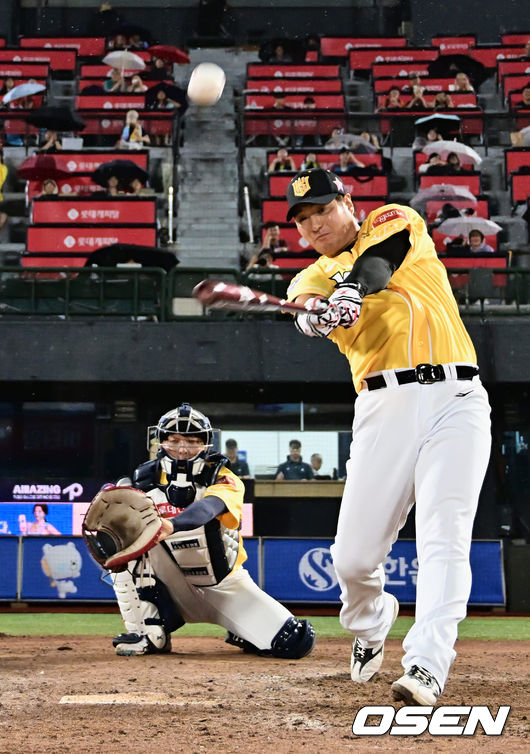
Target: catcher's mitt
[[120, 525]]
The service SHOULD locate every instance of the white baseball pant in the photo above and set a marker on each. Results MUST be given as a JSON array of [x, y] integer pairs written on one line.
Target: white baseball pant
[[427, 444]]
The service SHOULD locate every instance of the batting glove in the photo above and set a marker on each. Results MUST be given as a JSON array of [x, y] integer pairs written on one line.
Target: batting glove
[[317, 325], [348, 299]]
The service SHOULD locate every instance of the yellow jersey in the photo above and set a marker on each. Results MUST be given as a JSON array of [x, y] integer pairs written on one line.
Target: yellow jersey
[[414, 320]]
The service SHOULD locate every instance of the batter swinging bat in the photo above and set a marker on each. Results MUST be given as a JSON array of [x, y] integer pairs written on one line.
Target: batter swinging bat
[[218, 295]]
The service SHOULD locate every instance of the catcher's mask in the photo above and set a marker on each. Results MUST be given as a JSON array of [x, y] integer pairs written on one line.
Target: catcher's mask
[[188, 422]]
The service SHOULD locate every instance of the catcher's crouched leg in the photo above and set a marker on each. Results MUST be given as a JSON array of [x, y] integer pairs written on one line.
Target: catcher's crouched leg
[[148, 612], [294, 640]]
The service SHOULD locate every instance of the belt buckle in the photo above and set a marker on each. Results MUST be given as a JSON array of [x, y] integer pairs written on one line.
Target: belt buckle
[[426, 374]]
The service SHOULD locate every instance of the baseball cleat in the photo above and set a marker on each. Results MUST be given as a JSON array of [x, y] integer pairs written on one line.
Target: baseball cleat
[[129, 645], [366, 662], [417, 686]]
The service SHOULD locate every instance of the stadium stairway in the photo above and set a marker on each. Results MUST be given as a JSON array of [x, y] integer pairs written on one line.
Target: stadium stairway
[[208, 220]]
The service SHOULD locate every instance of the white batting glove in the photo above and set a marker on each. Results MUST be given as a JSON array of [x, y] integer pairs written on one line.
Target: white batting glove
[[317, 325], [348, 299]]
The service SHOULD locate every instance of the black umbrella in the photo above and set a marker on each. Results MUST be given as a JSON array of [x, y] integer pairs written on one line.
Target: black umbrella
[[124, 170], [172, 91], [121, 253], [56, 119], [450, 65], [444, 124]]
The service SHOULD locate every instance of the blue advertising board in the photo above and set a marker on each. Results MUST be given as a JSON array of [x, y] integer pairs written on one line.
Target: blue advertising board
[[8, 572], [252, 564], [301, 570], [61, 568]]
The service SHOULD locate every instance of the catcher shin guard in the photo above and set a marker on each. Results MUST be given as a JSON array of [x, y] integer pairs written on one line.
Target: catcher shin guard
[[294, 640], [145, 630]]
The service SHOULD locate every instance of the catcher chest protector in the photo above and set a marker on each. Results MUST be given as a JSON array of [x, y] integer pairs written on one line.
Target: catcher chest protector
[[205, 555]]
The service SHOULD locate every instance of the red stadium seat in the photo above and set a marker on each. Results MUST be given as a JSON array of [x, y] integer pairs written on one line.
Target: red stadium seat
[[294, 102], [85, 46], [294, 86], [303, 70], [361, 60], [441, 240], [339, 47], [471, 180], [86, 238], [454, 44], [515, 158], [520, 184], [109, 211]]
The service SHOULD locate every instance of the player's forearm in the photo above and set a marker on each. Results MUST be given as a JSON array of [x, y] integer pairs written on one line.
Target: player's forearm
[[198, 513]]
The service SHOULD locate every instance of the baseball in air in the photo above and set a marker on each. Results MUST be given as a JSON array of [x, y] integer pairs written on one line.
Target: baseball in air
[[206, 84]]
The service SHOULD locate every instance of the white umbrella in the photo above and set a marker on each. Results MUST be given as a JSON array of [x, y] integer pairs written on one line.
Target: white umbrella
[[124, 60], [441, 192], [462, 226], [23, 90], [444, 148]]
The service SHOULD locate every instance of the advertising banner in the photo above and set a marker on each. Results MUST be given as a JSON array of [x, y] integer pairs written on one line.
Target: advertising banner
[[8, 572], [302, 570]]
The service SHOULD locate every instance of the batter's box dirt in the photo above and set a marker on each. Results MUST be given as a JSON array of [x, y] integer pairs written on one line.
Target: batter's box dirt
[[209, 697]]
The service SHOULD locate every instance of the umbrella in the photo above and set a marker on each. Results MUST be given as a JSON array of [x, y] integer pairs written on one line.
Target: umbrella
[[124, 60], [56, 119], [441, 192], [124, 170], [39, 167], [120, 253], [445, 124], [450, 65], [169, 53], [23, 90], [457, 226], [444, 148], [173, 92]]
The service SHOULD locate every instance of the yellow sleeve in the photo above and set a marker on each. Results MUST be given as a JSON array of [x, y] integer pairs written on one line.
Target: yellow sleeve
[[230, 489], [311, 281], [393, 218]]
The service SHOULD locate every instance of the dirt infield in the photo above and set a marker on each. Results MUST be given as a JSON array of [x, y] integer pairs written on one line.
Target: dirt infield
[[209, 697]]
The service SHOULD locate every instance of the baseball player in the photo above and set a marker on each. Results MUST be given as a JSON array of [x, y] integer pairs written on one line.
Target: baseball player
[[196, 574], [421, 432]]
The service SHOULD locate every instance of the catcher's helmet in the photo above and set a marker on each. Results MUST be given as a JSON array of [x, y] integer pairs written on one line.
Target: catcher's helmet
[[184, 420]]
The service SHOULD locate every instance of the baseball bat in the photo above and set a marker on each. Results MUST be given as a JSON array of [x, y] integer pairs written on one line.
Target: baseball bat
[[215, 294]]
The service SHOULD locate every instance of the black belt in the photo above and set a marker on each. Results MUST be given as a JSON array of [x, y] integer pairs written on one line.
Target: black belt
[[425, 374]]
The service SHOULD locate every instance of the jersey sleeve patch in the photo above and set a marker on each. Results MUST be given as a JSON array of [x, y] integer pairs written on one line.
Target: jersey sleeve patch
[[390, 214]]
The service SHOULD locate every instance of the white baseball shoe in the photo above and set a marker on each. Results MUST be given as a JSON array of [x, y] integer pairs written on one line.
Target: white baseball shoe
[[417, 686], [366, 662]]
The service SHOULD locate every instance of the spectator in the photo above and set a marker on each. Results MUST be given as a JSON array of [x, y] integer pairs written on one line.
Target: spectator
[[294, 467], [461, 83], [40, 526], [365, 143], [115, 83], [237, 465], [310, 161], [453, 164], [132, 136], [262, 260], [278, 101], [139, 189], [49, 188], [104, 20], [521, 138], [526, 53], [137, 85], [414, 80], [434, 165], [113, 186], [316, 464], [51, 142], [160, 69], [347, 163], [442, 101], [418, 101], [136, 42], [282, 161], [524, 104], [8, 85], [392, 101], [163, 102], [280, 55], [118, 42], [477, 242], [272, 240], [421, 141]]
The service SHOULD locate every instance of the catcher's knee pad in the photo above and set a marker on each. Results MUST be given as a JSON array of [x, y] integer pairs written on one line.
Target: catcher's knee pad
[[295, 639]]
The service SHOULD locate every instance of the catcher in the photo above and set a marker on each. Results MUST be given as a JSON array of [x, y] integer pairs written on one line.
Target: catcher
[[171, 538]]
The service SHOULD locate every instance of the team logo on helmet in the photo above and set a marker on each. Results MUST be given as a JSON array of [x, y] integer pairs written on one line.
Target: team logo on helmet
[[301, 185]]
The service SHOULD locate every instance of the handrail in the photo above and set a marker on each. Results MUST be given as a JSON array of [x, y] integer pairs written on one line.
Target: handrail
[[147, 292]]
